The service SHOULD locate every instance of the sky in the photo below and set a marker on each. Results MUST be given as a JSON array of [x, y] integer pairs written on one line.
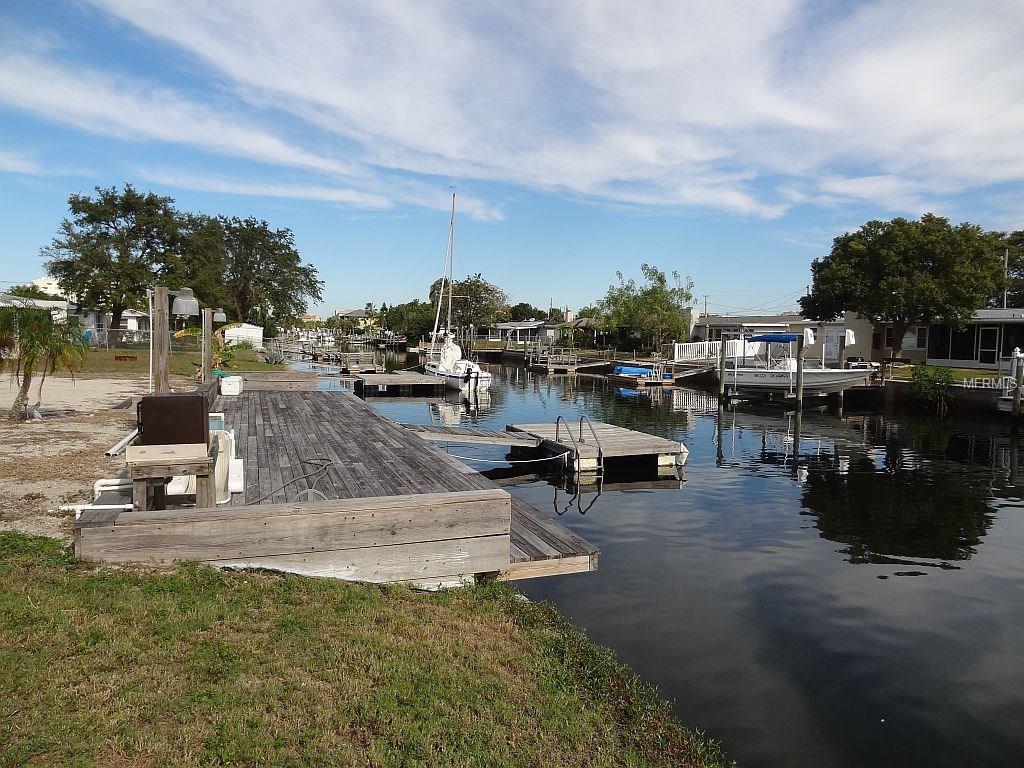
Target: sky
[[727, 141]]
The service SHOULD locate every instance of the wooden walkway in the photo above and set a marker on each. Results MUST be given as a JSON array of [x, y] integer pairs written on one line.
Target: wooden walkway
[[334, 444]]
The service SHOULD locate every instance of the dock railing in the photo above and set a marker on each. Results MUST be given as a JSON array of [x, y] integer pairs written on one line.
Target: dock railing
[[708, 351]]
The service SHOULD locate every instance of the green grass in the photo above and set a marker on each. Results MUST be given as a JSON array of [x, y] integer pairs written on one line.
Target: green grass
[[181, 363], [959, 374], [199, 667]]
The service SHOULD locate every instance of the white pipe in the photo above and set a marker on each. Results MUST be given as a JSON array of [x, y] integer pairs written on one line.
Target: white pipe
[[119, 446]]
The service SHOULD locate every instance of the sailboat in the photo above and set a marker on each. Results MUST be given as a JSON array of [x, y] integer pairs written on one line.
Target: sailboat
[[446, 360]]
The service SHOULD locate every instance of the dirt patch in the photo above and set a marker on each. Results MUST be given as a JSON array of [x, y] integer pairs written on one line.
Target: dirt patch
[[47, 463]]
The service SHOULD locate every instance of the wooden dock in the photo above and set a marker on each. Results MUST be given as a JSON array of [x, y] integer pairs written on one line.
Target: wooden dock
[[334, 488], [399, 383], [472, 435], [592, 444]]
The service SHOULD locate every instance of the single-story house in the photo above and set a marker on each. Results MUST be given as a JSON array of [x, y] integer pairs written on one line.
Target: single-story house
[[528, 331], [827, 334], [987, 341]]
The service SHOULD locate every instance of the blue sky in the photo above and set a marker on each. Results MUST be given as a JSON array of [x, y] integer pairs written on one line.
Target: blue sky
[[728, 141]]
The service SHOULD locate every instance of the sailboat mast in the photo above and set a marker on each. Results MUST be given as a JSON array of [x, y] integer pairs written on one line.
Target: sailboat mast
[[451, 259], [445, 276]]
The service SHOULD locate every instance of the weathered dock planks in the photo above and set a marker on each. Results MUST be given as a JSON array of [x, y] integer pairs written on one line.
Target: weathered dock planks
[[396, 509], [472, 435]]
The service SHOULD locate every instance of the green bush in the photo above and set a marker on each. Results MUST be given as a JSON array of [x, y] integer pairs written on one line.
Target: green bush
[[931, 384]]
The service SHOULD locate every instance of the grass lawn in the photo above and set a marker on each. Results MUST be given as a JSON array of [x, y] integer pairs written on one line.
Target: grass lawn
[[959, 374], [181, 363], [107, 666]]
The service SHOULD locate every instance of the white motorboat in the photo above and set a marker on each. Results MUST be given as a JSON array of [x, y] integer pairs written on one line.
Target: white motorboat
[[774, 371], [447, 360]]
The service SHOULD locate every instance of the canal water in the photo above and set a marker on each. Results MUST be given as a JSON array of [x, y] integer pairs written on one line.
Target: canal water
[[860, 605]]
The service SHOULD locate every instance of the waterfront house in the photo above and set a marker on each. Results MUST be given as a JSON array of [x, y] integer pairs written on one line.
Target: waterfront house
[[986, 341], [359, 317], [827, 334]]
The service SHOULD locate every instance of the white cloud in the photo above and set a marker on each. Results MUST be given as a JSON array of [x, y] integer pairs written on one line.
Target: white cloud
[[16, 162], [743, 107], [131, 109], [203, 183]]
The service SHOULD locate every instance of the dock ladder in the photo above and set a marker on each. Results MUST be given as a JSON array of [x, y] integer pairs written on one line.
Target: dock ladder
[[576, 443]]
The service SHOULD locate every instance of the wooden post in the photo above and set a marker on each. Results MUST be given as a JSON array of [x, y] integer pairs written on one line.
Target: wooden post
[[1019, 379], [161, 340], [799, 373], [842, 365], [721, 369], [207, 344]]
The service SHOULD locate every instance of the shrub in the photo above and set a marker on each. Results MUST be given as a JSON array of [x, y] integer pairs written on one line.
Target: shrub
[[931, 385]]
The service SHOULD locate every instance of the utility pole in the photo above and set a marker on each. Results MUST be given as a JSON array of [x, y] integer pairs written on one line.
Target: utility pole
[[705, 305], [1006, 275]]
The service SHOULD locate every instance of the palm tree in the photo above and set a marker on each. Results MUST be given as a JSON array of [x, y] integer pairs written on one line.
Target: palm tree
[[32, 342]]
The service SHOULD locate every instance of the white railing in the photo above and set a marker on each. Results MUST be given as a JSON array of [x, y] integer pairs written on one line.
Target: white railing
[[708, 351]]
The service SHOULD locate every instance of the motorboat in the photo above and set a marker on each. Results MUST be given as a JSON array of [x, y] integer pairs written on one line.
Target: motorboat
[[773, 368]]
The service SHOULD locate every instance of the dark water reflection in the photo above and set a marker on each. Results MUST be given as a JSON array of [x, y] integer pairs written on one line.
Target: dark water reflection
[[858, 603]]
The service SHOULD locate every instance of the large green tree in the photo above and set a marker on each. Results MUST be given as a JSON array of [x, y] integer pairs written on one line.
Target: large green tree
[[474, 300], [264, 273], [653, 311], [200, 260], [112, 246], [415, 318], [903, 272], [517, 313]]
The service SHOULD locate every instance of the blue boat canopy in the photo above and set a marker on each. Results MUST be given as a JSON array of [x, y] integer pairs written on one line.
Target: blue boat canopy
[[775, 338]]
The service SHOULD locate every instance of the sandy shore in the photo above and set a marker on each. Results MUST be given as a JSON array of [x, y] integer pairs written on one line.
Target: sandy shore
[[79, 395], [54, 461]]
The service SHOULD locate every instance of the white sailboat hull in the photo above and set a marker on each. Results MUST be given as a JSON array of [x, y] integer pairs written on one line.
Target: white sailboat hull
[[472, 378], [816, 380]]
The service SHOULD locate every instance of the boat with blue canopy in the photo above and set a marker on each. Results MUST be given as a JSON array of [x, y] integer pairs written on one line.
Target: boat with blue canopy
[[766, 363]]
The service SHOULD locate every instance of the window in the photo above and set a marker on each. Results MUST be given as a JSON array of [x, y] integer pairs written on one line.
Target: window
[[963, 343], [938, 342], [916, 337]]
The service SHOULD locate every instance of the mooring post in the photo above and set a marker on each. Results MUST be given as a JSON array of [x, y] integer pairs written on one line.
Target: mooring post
[[799, 373], [842, 366], [1018, 365], [721, 369], [161, 340], [207, 344]]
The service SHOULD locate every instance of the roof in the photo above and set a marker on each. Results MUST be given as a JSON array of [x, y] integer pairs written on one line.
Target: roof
[[7, 300], [1010, 313], [521, 325], [350, 312], [783, 320]]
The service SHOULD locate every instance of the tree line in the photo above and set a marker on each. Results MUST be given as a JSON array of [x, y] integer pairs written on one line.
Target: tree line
[[117, 243], [635, 314]]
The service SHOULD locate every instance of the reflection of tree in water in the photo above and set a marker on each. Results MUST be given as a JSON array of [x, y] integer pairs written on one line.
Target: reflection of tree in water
[[926, 512]]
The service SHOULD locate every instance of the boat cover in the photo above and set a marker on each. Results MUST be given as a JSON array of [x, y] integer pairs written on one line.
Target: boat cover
[[632, 370], [775, 338]]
